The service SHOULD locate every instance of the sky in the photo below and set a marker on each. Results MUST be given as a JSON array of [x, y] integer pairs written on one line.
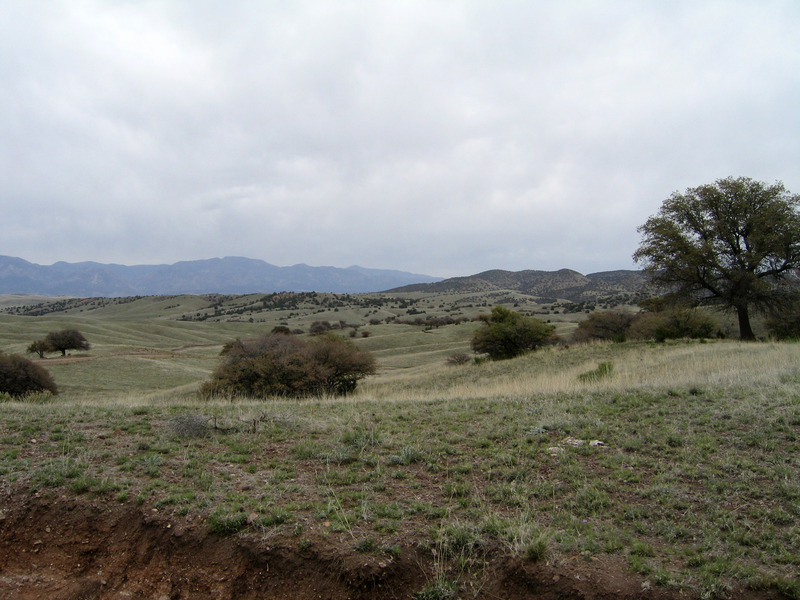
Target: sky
[[444, 137]]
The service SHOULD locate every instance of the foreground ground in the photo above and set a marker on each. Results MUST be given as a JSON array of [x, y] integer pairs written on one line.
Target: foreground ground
[[600, 492]]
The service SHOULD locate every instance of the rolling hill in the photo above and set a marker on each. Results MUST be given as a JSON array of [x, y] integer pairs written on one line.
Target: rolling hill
[[564, 284]]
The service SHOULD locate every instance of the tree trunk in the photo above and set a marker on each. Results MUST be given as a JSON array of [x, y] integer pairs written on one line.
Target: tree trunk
[[745, 331]]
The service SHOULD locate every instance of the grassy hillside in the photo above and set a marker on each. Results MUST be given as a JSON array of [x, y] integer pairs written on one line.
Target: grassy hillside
[[677, 464]]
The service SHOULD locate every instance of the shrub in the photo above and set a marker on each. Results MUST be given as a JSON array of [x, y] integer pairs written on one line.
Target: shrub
[[507, 334], [20, 376], [673, 323], [608, 325], [282, 365], [319, 327], [783, 322], [654, 323], [458, 358]]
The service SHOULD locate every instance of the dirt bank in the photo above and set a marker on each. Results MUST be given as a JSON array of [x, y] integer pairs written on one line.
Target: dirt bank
[[73, 548], [70, 548]]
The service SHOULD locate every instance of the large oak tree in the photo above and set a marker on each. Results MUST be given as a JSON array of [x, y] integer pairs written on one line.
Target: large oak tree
[[67, 339], [732, 243]]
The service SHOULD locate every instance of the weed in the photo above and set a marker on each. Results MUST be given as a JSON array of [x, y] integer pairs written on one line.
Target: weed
[[604, 370], [223, 523], [591, 499], [366, 545], [408, 455], [438, 589]]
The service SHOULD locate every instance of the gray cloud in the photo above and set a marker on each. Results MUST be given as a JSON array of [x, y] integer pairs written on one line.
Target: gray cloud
[[441, 137]]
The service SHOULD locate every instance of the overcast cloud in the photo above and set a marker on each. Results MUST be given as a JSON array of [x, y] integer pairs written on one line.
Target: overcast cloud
[[439, 137]]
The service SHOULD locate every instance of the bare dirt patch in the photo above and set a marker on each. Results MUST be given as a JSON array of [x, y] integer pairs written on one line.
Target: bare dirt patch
[[69, 548]]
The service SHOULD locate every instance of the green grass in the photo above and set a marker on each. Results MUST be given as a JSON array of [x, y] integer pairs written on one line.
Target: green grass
[[694, 485]]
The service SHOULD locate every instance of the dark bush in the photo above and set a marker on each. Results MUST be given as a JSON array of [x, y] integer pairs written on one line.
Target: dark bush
[[674, 323], [282, 365], [507, 334], [319, 327], [783, 321], [20, 376], [608, 325]]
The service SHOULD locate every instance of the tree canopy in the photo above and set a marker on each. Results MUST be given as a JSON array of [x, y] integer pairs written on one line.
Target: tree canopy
[[67, 339], [507, 334], [733, 243]]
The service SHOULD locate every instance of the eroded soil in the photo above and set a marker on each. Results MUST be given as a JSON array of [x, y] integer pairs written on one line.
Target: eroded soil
[[70, 548]]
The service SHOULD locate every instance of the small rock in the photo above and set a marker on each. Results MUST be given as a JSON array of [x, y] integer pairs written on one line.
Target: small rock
[[571, 441]]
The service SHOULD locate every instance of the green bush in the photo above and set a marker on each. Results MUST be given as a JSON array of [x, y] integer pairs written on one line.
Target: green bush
[[783, 321], [20, 376], [662, 324], [609, 325], [671, 324], [507, 334], [284, 365]]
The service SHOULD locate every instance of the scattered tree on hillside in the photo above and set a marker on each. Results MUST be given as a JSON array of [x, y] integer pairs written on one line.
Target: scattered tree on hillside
[[507, 334], [40, 347], [319, 327], [731, 244], [287, 365], [68, 339], [20, 376]]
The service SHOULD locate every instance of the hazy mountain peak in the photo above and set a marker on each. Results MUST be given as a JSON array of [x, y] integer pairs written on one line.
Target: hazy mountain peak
[[228, 275]]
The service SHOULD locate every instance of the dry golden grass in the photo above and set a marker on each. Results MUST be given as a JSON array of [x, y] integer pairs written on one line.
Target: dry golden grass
[[557, 370]]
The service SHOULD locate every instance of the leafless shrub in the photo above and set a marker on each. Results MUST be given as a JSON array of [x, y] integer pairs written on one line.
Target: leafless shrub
[[458, 358]]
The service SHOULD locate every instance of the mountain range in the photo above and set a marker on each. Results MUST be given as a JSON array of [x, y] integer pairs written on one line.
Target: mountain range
[[229, 275], [236, 275]]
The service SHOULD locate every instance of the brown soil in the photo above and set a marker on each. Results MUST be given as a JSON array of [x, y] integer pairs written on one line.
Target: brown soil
[[68, 548]]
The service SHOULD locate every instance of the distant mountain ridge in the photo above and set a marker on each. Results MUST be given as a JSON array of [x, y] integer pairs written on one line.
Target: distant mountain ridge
[[229, 275], [563, 284]]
